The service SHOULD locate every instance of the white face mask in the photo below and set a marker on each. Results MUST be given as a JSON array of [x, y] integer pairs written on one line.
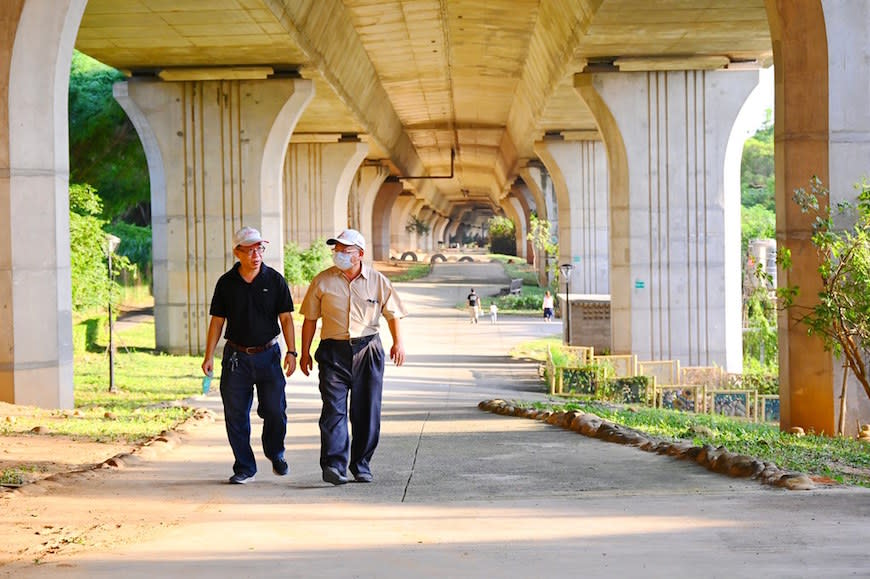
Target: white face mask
[[342, 260]]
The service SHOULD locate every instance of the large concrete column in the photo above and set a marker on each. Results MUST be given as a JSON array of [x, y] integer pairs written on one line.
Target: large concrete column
[[522, 196], [579, 173], [317, 180], [439, 231], [667, 135], [218, 147], [822, 128], [362, 202], [400, 240], [514, 211], [381, 217], [36, 351]]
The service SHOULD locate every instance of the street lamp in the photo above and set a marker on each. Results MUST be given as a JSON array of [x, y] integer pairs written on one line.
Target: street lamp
[[112, 243], [566, 269]]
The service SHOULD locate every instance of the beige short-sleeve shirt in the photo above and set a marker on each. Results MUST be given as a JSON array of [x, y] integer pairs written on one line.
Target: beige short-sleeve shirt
[[350, 309]]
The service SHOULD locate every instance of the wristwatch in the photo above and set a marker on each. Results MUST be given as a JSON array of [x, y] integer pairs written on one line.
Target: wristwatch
[[293, 353]]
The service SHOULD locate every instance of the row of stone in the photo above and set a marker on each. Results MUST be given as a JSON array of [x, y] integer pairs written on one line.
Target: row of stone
[[718, 460]]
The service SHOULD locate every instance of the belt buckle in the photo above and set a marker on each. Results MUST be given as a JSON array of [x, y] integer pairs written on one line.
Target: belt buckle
[[251, 350]]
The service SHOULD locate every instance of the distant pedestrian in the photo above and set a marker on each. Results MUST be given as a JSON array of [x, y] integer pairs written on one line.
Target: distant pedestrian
[[548, 307], [253, 299], [493, 313], [473, 305]]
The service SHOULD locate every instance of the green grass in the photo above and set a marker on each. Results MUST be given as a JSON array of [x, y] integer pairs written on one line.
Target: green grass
[[148, 384], [842, 459], [536, 349], [412, 273], [516, 267]]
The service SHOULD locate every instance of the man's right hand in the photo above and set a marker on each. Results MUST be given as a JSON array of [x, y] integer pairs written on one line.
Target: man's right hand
[[305, 363], [208, 366]]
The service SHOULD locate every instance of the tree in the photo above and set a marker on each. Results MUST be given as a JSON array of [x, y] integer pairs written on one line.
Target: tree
[[502, 235], [104, 148], [757, 168], [91, 287], [841, 318], [758, 222], [417, 226]]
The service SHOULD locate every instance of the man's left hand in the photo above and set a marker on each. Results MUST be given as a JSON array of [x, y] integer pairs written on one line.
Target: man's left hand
[[289, 364], [397, 354]]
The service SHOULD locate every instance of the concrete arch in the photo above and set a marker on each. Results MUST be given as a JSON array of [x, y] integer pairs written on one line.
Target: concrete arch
[[34, 186], [519, 195], [370, 180], [382, 209], [272, 167]]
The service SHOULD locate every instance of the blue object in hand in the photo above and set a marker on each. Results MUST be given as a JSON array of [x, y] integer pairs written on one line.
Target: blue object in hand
[[206, 383]]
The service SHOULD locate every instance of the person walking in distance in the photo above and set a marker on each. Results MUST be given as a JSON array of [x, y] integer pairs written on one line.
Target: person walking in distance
[[548, 307], [350, 297], [493, 313], [253, 300], [473, 305]]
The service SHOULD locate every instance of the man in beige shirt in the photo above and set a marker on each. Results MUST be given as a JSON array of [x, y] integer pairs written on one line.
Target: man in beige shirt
[[350, 297]]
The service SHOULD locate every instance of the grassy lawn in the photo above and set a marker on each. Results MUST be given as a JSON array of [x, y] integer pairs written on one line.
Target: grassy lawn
[[844, 460], [149, 385]]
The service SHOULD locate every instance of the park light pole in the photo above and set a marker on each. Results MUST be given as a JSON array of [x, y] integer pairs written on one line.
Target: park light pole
[[112, 243], [566, 269]]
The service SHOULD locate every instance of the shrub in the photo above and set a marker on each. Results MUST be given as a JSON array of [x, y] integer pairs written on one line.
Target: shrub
[[300, 266]]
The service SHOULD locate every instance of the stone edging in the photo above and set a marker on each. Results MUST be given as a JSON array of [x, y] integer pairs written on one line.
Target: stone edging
[[147, 450], [718, 460]]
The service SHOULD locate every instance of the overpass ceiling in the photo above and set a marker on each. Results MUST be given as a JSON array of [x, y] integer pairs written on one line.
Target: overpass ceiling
[[422, 77]]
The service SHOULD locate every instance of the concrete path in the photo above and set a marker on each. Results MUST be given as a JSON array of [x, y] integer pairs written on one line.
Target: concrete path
[[463, 493]]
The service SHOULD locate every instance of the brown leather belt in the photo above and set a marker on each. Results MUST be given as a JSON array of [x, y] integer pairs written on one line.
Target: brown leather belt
[[251, 349]]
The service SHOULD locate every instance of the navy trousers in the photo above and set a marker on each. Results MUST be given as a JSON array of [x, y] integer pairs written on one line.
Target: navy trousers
[[355, 369], [239, 373]]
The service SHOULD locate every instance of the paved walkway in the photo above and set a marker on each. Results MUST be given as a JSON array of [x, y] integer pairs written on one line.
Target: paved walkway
[[463, 493]]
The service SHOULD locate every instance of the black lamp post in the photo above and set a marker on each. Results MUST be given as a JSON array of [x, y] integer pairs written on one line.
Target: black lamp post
[[566, 269], [112, 243]]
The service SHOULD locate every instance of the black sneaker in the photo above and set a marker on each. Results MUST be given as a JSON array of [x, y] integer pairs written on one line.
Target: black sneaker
[[363, 477], [331, 475], [279, 467], [241, 479]]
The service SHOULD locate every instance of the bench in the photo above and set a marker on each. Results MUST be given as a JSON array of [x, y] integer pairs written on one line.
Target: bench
[[516, 287]]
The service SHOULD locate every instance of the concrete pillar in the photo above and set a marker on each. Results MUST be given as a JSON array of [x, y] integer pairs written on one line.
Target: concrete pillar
[[400, 240], [822, 128], [522, 196], [513, 211], [579, 174], [317, 181], [367, 186], [439, 232], [667, 135], [218, 147], [36, 351], [381, 217]]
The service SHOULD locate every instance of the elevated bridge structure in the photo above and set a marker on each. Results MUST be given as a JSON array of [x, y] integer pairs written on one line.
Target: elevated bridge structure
[[619, 121]]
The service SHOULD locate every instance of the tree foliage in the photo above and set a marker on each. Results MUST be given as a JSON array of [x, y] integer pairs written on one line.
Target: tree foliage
[[89, 271], [104, 148], [758, 223], [841, 317], [502, 235], [417, 226], [757, 183]]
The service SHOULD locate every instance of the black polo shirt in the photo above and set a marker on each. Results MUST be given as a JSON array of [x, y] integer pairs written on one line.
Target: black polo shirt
[[251, 309]]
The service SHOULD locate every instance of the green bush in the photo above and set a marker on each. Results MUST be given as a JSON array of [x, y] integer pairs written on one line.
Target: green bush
[[300, 266], [135, 246], [502, 236], [89, 269]]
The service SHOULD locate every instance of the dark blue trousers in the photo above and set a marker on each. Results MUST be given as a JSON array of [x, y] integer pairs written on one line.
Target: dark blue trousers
[[239, 373], [356, 369]]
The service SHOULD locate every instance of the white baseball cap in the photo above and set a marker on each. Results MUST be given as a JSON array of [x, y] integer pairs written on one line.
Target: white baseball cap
[[247, 236], [349, 237]]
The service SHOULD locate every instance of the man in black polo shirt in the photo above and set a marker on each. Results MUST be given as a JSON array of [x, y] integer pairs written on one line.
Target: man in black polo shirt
[[252, 298]]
